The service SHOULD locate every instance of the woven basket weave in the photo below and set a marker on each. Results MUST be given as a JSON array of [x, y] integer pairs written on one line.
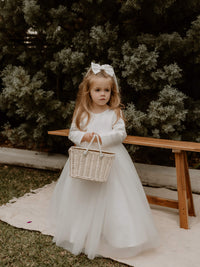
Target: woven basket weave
[[90, 164]]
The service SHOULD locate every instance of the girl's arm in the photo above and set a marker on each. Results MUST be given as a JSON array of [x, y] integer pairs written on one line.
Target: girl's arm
[[75, 135], [116, 136]]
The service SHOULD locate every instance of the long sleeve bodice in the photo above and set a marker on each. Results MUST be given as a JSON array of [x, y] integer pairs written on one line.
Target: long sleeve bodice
[[110, 131]]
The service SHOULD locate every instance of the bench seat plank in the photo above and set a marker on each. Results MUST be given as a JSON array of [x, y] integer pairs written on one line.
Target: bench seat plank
[[162, 143], [64, 132], [148, 141]]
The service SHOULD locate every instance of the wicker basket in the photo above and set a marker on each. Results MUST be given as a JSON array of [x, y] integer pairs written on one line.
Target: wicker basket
[[90, 164]]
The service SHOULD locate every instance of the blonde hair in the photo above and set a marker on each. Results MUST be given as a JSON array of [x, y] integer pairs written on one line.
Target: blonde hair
[[84, 101]]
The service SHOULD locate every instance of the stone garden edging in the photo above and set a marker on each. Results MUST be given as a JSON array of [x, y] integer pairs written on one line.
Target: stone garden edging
[[151, 175]]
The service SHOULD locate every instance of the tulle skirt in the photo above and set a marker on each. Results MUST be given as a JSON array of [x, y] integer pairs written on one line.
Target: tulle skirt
[[111, 219]]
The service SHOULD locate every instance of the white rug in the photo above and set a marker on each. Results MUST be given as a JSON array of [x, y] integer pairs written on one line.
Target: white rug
[[179, 247]]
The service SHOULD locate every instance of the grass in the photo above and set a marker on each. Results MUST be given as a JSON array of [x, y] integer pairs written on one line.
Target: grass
[[21, 248]]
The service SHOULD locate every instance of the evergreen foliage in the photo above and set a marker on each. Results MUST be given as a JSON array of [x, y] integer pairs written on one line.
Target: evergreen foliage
[[47, 46], [26, 100]]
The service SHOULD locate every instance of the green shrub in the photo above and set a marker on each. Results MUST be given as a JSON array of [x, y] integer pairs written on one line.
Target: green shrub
[[47, 46]]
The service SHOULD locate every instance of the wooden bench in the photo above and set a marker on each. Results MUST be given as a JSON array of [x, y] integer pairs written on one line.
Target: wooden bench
[[179, 148]]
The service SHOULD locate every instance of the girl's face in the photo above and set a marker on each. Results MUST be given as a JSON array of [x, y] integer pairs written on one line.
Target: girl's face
[[100, 92]]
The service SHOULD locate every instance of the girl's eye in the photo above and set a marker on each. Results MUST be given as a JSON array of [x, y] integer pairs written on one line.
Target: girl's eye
[[97, 89], [107, 90]]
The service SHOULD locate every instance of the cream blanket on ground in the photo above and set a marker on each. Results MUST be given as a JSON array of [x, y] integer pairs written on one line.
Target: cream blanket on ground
[[179, 247]]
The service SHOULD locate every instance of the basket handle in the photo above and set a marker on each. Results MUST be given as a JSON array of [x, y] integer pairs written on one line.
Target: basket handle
[[92, 140]]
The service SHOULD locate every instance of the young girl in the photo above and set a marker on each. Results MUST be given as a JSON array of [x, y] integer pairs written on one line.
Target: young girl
[[111, 219]]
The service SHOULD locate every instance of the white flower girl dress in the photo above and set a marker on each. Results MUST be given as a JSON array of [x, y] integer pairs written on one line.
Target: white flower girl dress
[[111, 219]]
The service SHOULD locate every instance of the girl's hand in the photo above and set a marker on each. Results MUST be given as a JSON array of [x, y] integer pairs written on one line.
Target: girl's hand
[[95, 140], [88, 137]]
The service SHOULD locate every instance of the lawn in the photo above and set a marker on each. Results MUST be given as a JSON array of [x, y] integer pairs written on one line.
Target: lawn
[[21, 248]]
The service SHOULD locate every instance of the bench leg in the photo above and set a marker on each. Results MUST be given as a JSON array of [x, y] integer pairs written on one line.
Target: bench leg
[[191, 209], [181, 187]]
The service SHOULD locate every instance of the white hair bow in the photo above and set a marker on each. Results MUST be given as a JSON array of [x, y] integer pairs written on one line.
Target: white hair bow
[[96, 68]]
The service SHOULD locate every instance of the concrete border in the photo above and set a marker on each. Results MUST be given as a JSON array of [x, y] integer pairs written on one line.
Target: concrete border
[[33, 159], [151, 175]]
